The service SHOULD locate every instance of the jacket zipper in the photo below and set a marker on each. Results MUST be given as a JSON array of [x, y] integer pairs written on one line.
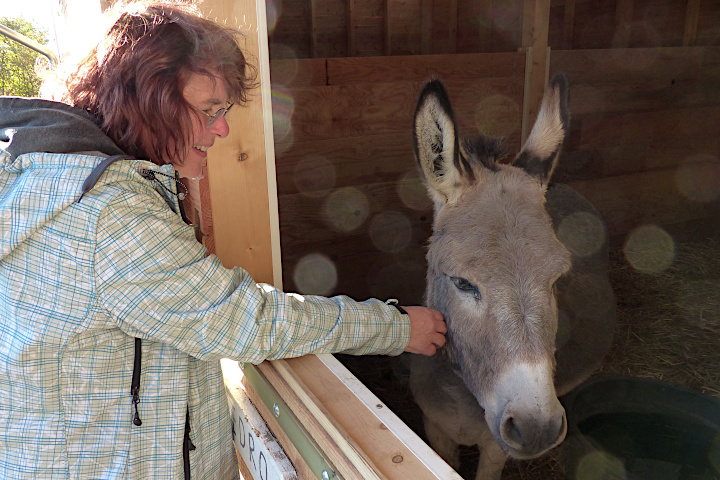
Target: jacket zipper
[[135, 384]]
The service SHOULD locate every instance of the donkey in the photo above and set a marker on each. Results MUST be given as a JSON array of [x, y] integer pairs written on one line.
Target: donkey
[[504, 282]]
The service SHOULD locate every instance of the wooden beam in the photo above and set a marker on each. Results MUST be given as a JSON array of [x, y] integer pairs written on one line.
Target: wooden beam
[[692, 13], [426, 26], [387, 27], [536, 23], [484, 10], [352, 47], [313, 28], [452, 26], [241, 167], [623, 23], [568, 25]]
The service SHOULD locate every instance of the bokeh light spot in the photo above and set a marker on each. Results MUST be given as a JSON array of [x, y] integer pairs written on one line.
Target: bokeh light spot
[[390, 231], [650, 249], [285, 65], [314, 176], [600, 466], [699, 178], [273, 9], [315, 274], [412, 192], [583, 233], [283, 107], [346, 209], [497, 116]]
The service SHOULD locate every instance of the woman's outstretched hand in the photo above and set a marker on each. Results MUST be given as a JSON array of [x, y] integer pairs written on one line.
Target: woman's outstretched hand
[[427, 330]]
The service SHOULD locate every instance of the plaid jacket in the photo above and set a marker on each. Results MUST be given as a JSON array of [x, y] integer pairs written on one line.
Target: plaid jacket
[[79, 280]]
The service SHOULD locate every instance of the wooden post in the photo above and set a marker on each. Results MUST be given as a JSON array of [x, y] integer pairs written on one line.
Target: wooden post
[[623, 22], [241, 167], [692, 13], [352, 47], [536, 21], [426, 26], [568, 24]]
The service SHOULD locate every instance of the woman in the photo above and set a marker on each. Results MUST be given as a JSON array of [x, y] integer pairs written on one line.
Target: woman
[[113, 318]]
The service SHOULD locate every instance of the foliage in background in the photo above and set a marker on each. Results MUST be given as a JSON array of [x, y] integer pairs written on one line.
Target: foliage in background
[[18, 75]]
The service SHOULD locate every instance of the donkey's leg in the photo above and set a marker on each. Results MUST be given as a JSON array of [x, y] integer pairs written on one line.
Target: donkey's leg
[[492, 459], [443, 444]]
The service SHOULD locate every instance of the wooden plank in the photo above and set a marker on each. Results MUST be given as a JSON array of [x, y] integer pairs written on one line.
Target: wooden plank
[[361, 270], [692, 14], [623, 23], [646, 95], [387, 28], [626, 202], [396, 451], [316, 219], [241, 179], [452, 26], [352, 49], [630, 64], [333, 441], [349, 71], [260, 456], [536, 21], [568, 24], [426, 28], [301, 467], [313, 29], [373, 109], [299, 73]]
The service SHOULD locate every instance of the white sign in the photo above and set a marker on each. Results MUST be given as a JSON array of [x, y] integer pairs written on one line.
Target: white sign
[[263, 455]]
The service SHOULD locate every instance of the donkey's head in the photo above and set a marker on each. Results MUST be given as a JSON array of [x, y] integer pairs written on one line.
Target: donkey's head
[[493, 260]]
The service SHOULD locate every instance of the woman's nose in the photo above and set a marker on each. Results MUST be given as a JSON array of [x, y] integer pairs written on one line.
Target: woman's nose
[[220, 127]]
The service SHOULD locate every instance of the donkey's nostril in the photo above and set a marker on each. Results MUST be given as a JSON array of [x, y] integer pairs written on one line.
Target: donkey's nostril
[[511, 433]]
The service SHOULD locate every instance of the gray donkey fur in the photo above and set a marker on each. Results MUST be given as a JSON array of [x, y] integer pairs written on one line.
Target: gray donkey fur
[[519, 268]]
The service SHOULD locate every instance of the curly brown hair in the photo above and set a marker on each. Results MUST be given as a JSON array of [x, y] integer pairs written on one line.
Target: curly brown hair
[[133, 80]]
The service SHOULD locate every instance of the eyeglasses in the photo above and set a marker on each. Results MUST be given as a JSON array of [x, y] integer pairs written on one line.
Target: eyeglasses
[[220, 113]]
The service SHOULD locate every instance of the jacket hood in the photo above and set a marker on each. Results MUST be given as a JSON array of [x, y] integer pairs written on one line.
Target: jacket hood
[[29, 125], [50, 155]]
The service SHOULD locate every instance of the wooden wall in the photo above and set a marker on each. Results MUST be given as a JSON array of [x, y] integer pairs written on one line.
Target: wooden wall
[[643, 148], [347, 182], [354, 219], [350, 28]]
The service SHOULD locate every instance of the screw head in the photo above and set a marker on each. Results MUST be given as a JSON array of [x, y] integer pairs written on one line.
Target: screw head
[[325, 475], [276, 410]]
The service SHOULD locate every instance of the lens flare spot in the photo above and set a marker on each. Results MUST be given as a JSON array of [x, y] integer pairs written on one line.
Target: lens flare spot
[[650, 249], [315, 274], [497, 116], [285, 64], [714, 453], [346, 209], [412, 192], [699, 178], [283, 107], [314, 176], [390, 231], [273, 9], [583, 233], [599, 466]]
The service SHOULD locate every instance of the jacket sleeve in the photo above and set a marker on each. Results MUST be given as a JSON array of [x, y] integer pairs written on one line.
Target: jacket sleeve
[[155, 281]]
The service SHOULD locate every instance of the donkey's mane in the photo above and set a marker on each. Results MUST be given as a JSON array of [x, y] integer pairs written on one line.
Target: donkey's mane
[[484, 151]]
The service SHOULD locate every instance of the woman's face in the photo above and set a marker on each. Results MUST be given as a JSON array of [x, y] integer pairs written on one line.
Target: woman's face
[[206, 95]]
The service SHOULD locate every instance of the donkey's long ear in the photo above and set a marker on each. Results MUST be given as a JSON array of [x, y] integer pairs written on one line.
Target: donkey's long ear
[[447, 175], [540, 153]]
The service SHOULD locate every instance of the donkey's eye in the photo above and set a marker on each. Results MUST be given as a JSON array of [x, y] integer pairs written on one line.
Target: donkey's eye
[[464, 286]]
